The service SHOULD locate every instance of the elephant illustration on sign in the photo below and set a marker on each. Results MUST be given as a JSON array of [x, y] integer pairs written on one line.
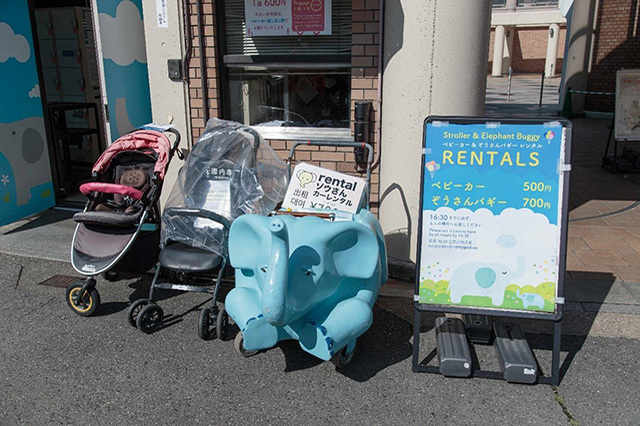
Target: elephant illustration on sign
[[484, 279], [307, 279], [531, 299]]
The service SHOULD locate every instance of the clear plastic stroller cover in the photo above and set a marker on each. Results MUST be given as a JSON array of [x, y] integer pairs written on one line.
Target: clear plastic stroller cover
[[230, 171]]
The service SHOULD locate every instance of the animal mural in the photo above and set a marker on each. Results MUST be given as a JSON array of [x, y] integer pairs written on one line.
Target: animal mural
[[25, 176], [307, 279], [531, 299], [124, 64], [484, 279]]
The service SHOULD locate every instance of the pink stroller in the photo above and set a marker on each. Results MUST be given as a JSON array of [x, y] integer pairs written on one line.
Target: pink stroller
[[119, 229]]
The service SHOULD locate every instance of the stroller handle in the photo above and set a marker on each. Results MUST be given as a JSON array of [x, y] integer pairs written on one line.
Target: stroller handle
[[176, 143]]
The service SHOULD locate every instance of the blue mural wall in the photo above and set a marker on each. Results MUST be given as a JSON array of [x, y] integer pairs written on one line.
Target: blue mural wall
[[124, 64], [25, 174]]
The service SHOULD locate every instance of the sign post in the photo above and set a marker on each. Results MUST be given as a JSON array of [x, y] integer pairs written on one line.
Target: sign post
[[493, 221]]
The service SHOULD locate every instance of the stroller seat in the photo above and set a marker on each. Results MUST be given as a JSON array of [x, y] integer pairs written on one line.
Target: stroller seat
[[184, 258]]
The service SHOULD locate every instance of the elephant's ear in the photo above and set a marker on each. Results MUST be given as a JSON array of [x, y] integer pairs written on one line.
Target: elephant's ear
[[355, 250], [249, 242]]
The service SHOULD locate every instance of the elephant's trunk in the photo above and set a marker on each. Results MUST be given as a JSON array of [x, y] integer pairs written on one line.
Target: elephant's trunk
[[522, 268], [274, 295]]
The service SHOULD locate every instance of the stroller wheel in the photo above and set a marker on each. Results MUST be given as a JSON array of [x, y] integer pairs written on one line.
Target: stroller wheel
[[343, 358], [134, 310], [82, 304], [204, 324], [238, 345], [111, 276], [149, 318], [221, 324]]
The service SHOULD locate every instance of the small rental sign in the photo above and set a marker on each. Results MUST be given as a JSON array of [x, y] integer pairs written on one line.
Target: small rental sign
[[315, 188]]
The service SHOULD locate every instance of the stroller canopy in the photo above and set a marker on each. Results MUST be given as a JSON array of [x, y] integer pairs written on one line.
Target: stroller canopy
[[138, 140], [230, 171]]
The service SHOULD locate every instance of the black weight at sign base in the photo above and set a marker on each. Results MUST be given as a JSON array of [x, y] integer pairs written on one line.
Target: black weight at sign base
[[555, 317]]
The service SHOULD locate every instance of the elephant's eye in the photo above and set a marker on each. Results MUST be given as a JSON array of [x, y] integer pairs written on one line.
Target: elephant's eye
[[308, 272], [263, 269], [504, 272]]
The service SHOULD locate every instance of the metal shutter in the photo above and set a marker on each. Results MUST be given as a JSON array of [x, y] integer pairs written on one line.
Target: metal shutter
[[338, 43]]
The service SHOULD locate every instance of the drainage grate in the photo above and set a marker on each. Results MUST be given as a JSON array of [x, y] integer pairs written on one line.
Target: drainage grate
[[61, 281]]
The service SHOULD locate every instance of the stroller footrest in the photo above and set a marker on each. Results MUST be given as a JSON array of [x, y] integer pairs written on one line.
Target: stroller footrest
[[184, 287]]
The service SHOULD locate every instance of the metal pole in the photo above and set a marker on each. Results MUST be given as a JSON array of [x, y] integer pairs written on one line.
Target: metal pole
[[555, 356], [541, 90], [509, 85], [417, 316]]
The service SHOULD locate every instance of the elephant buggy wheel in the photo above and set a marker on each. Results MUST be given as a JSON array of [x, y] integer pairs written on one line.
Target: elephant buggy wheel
[[222, 321], [83, 304], [204, 324], [238, 345], [343, 357], [134, 311], [150, 318]]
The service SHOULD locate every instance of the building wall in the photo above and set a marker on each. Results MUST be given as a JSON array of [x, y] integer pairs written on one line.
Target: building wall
[[530, 49], [364, 84], [616, 46], [26, 185]]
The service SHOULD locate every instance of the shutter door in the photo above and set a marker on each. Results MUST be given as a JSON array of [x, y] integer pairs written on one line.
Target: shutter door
[[238, 43]]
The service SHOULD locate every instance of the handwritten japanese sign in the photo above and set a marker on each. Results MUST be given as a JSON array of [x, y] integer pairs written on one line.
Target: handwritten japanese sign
[[287, 17], [313, 187], [627, 120], [492, 201]]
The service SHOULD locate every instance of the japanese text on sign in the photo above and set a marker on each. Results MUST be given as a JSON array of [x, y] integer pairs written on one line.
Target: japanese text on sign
[[313, 187], [287, 17], [491, 215]]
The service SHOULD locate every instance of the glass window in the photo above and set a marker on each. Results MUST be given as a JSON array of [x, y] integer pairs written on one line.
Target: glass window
[[288, 81], [290, 98]]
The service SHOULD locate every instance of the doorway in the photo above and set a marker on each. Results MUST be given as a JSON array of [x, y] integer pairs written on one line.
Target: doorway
[[65, 48]]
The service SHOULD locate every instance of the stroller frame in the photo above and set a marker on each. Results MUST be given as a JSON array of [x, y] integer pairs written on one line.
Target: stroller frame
[[82, 296], [147, 315]]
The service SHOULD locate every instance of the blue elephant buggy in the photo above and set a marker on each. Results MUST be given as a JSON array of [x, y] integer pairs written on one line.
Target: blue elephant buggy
[[229, 172], [308, 273]]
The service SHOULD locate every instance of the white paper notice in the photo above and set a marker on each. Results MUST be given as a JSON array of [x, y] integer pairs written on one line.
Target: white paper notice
[[161, 12], [218, 200]]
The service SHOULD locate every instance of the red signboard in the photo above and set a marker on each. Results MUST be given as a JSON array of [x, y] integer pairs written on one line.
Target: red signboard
[[308, 15]]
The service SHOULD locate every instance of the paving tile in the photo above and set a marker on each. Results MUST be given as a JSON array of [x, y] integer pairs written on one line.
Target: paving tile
[[612, 308], [598, 291], [633, 242], [573, 306], [573, 262], [598, 258], [608, 243], [579, 230], [628, 272], [631, 258], [628, 219], [576, 243], [617, 232]]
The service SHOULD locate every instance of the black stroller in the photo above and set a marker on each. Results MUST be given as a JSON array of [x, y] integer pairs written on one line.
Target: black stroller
[[229, 172], [119, 229]]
